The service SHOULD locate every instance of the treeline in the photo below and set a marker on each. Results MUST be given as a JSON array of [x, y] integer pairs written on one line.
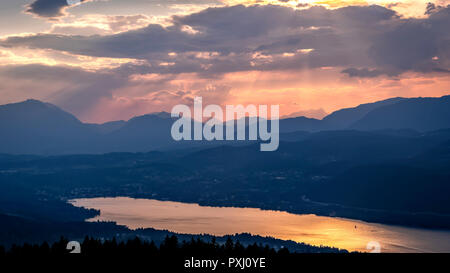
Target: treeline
[[170, 254], [137, 246]]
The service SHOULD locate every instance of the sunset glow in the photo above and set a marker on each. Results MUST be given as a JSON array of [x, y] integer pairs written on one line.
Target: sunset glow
[[148, 56]]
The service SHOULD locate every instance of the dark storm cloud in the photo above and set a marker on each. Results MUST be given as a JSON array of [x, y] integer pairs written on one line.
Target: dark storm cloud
[[228, 29], [135, 43], [48, 8], [369, 40], [362, 73], [432, 8], [412, 44]]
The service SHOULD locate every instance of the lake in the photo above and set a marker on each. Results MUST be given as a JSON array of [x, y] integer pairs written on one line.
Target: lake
[[311, 229]]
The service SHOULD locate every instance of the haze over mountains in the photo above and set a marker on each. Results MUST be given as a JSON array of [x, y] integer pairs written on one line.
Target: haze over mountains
[[34, 127], [385, 162]]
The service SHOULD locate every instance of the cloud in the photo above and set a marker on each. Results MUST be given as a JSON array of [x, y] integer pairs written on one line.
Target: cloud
[[50, 8], [362, 73], [265, 38], [414, 44], [98, 24], [432, 8]]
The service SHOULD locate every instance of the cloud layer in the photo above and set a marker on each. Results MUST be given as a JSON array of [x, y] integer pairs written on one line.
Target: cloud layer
[[368, 41]]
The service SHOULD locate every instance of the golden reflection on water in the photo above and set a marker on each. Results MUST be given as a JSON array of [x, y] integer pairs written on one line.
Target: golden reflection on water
[[311, 229]]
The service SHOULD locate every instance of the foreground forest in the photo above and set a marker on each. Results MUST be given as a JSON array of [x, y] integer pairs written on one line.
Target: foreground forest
[[170, 254]]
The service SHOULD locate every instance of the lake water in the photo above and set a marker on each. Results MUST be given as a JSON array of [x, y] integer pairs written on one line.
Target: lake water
[[311, 229]]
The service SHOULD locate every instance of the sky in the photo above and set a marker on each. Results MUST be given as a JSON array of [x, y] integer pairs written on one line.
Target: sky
[[104, 60]]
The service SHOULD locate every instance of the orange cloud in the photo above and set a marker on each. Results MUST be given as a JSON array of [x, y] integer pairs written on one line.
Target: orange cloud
[[407, 8], [294, 91]]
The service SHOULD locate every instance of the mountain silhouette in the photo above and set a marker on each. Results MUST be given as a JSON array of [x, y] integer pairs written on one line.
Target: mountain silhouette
[[37, 116], [34, 127], [344, 118], [142, 133], [421, 114], [107, 127]]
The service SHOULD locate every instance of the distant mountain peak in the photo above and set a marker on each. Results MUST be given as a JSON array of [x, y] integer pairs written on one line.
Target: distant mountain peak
[[25, 102], [345, 117], [310, 113], [162, 114], [421, 114], [31, 103]]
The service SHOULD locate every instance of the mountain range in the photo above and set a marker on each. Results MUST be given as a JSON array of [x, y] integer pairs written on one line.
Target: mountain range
[[35, 127], [385, 162]]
